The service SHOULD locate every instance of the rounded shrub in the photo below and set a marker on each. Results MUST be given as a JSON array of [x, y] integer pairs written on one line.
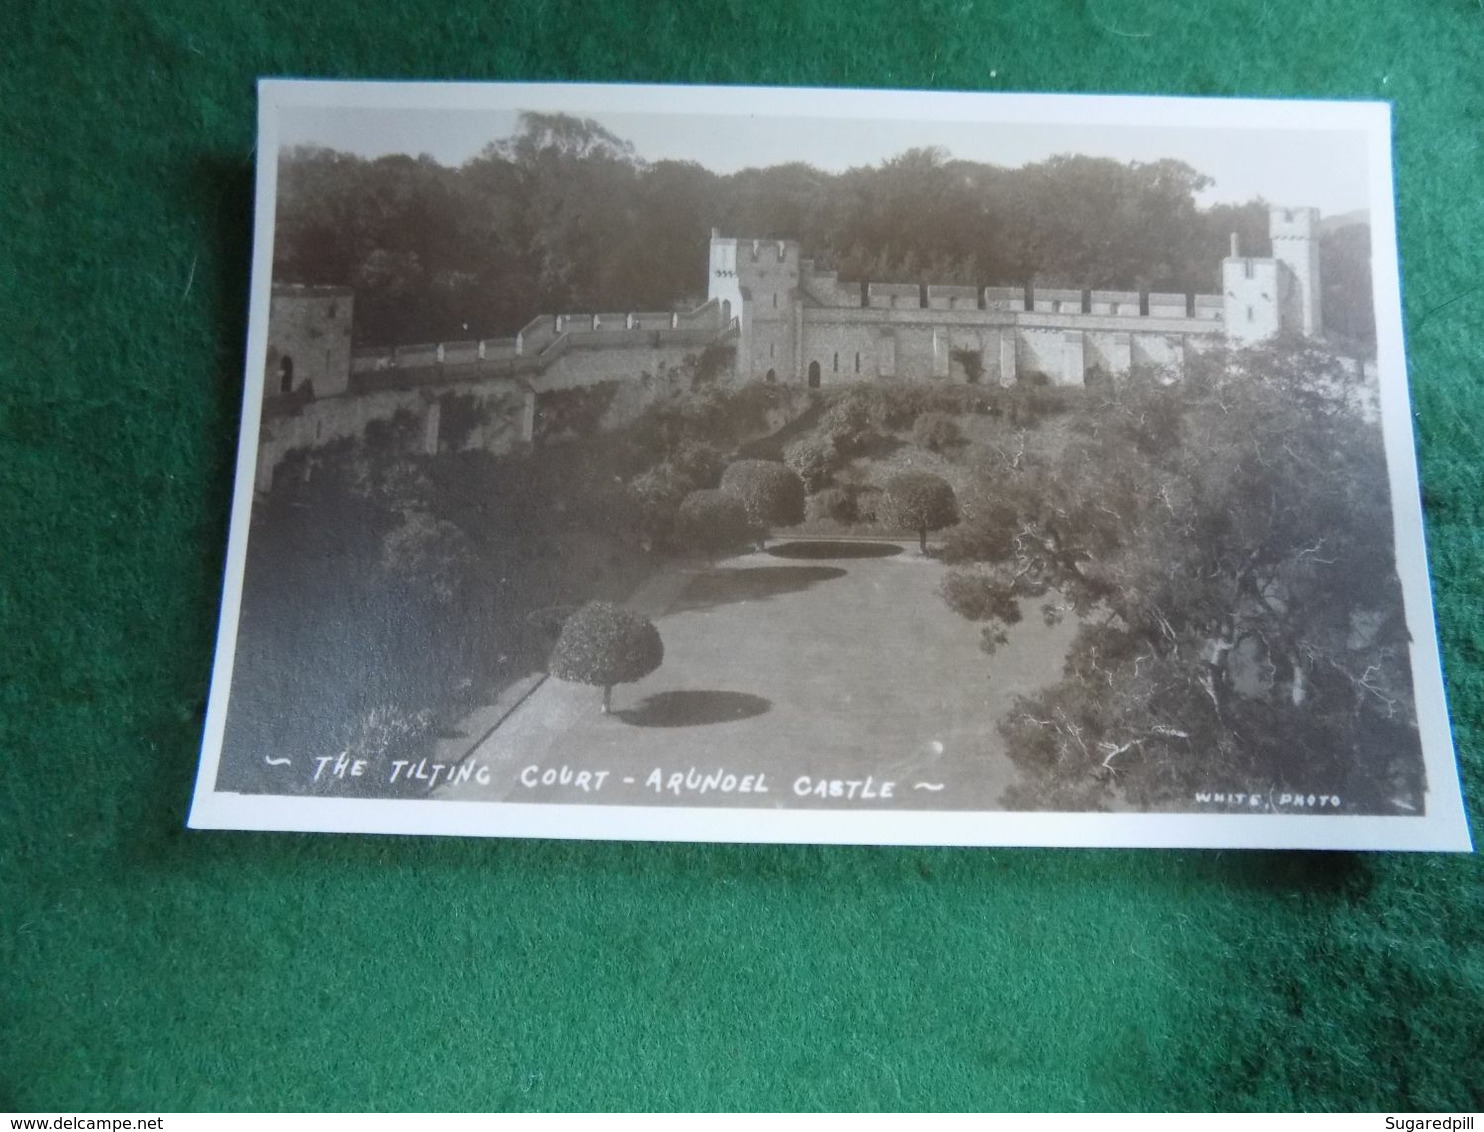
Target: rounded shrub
[[772, 494], [604, 644], [919, 501], [712, 522]]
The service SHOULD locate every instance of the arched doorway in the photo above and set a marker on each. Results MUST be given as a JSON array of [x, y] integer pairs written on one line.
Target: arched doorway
[[771, 377], [286, 374], [813, 375]]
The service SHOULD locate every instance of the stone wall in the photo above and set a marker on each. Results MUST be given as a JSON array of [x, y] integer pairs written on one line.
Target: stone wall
[[308, 341], [500, 407]]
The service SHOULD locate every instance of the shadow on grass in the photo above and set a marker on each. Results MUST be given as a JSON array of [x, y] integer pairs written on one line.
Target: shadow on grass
[[693, 709], [821, 548], [729, 584]]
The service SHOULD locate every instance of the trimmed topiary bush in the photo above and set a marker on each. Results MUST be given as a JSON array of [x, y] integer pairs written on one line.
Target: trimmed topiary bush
[[603, 644], [919, 501], [712, 522], [772, 494]]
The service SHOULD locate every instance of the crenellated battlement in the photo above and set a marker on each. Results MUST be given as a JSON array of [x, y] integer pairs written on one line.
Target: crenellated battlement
[[894, 296], [824, 288], [1116, 303], [782, 319], [1011, 299], [1056, 300], [798, 322], [952, 297], [544, 339]]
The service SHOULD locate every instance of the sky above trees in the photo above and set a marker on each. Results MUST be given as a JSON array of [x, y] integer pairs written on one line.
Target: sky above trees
[[1325, 169]]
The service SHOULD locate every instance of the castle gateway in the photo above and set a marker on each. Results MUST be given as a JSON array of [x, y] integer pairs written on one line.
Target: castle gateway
[[799, 324]]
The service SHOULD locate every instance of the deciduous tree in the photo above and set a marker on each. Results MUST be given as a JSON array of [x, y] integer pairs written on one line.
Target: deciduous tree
[[1227, 545]]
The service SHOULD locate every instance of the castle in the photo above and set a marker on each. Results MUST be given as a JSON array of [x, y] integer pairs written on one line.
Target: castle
[[797, 323], [778, 319]]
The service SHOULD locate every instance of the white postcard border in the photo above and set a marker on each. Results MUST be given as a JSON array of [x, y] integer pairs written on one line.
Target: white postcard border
[[1444, 827]]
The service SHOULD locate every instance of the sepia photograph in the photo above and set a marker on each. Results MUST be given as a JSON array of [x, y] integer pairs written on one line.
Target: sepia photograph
[[758, 465]]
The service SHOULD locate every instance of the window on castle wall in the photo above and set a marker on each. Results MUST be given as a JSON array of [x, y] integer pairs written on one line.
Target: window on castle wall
[[1249, 314], [837, 361], [772, 346], [334, 310], [775, 300], [857, 361], [286, 374]]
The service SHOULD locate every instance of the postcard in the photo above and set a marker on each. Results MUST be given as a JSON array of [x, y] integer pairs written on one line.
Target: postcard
[[762, 465]]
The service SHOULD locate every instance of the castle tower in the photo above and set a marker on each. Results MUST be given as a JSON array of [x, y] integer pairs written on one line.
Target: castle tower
[[309, 340], [1252, 291], [1295, 233], [760, 279], [722, 282], [1281, 292]]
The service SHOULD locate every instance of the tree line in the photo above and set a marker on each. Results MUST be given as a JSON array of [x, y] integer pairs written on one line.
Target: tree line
[[564, 215]]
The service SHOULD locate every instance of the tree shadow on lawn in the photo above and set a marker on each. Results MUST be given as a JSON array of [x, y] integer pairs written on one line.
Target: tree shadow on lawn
[[728, 584], [693, 709], [829, 548]]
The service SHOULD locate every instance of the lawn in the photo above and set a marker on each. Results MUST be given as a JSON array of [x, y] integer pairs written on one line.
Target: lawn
[[832, 661]]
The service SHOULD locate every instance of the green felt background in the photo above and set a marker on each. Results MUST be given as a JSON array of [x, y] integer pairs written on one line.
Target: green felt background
[[145, 967]]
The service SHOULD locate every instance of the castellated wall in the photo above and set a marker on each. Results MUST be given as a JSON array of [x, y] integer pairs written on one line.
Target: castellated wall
[[952, 298], [593, 363], [1115, 302], [1013, 299], [825, 288], [925, 344], [496, 384], [504, 408]]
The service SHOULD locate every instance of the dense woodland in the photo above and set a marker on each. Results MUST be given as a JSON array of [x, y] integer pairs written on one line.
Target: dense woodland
[[565, 216]]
